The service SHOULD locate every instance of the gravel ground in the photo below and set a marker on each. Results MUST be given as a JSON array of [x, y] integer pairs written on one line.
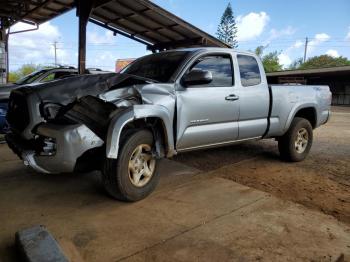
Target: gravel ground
[[321, 182]]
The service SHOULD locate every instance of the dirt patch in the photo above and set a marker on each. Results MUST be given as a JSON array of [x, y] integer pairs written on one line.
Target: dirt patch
[[313, 188], [321, 182]]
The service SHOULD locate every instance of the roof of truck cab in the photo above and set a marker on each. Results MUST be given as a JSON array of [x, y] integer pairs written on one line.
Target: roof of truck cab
[[212, 49]]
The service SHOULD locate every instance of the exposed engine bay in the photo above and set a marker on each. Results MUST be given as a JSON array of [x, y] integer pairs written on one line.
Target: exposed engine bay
[[91, 111]]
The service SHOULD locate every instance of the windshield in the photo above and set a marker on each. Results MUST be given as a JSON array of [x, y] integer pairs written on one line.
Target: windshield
[[159, 67], [31, 77]]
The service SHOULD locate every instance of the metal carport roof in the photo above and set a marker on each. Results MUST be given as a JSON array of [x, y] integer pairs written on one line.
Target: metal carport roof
[[147, 21], [35, 11], [141, 20]]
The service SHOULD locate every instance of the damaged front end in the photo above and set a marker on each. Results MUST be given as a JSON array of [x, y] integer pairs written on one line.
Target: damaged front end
[[74, 130]]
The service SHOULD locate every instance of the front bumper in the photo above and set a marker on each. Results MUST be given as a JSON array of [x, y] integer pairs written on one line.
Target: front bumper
[[71, 142]]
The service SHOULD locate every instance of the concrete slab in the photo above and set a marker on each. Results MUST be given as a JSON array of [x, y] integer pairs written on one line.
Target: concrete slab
[[266, 230], [190, 217]]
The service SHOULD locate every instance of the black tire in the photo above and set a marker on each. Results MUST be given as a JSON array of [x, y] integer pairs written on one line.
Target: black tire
[[286, 143], [115, 173]]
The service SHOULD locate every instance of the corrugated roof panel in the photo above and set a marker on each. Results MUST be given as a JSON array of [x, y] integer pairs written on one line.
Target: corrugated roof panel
[[138, 18]]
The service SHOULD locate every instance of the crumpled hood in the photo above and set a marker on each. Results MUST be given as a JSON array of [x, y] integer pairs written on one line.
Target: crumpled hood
[[67, 90]]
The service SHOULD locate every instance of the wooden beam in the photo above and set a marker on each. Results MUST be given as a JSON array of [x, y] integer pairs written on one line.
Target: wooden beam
[[84, 8]]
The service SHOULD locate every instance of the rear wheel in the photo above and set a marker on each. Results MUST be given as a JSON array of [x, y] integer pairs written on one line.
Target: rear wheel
[[295, 145], [132, 176]]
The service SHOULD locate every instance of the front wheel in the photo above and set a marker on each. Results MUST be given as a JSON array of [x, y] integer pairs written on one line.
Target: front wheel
[[295, 145], [132, 176]]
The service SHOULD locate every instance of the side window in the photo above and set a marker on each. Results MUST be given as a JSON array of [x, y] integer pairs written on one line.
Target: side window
[[61, 75], [220, 66], [249, 70], [48, 78]]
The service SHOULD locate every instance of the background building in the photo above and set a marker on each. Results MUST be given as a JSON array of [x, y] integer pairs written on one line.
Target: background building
[[121, 63]]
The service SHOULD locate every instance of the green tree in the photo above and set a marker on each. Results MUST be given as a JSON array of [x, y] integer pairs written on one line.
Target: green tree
[[324, 61], [23, 71], [296, 64], [270, 61], [13, 77], [227, 29], [259, 50]]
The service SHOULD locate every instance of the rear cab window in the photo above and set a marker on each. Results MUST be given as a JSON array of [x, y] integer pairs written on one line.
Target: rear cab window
[[249, 70]]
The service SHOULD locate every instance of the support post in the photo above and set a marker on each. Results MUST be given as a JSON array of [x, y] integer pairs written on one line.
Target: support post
[[305, 50], [84, 8], [4, 59]]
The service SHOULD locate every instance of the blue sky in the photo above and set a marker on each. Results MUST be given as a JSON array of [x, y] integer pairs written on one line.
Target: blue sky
[[279, 25]]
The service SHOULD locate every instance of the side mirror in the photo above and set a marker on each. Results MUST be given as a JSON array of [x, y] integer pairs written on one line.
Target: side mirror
[[197, 77]]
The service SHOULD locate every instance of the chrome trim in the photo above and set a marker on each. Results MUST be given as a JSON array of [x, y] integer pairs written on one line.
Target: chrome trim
[[218, 144]]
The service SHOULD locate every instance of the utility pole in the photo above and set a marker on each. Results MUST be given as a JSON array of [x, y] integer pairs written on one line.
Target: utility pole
[[305, 51], [55, 47]]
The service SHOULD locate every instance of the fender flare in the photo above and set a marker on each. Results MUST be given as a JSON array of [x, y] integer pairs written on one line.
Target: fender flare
[[119, 121], [295, 110]]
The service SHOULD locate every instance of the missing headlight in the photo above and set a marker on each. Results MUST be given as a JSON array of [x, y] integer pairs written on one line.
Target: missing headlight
[[50, 110]]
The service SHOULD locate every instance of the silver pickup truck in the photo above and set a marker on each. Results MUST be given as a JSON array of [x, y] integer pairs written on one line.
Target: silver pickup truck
[[160, 105]]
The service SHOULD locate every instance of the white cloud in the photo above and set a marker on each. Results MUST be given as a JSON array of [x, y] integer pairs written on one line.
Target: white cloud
[[298, 47], [104, 60], [284, 59], [317, 40], [93, 37], [35, 46], [298, 44], [45, 33], [288, 31], [251, 25], [333, 53]]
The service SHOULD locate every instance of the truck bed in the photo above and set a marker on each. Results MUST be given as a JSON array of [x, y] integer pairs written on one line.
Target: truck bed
[[291, 98]]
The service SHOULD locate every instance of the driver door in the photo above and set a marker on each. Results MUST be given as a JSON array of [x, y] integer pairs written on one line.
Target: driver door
[[207, 114]]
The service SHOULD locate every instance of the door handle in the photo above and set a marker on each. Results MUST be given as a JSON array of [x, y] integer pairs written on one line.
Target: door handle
[[232, 97]]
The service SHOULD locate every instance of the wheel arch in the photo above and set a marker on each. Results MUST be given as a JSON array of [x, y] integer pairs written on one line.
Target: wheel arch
[[154, 117], [307, 111]]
